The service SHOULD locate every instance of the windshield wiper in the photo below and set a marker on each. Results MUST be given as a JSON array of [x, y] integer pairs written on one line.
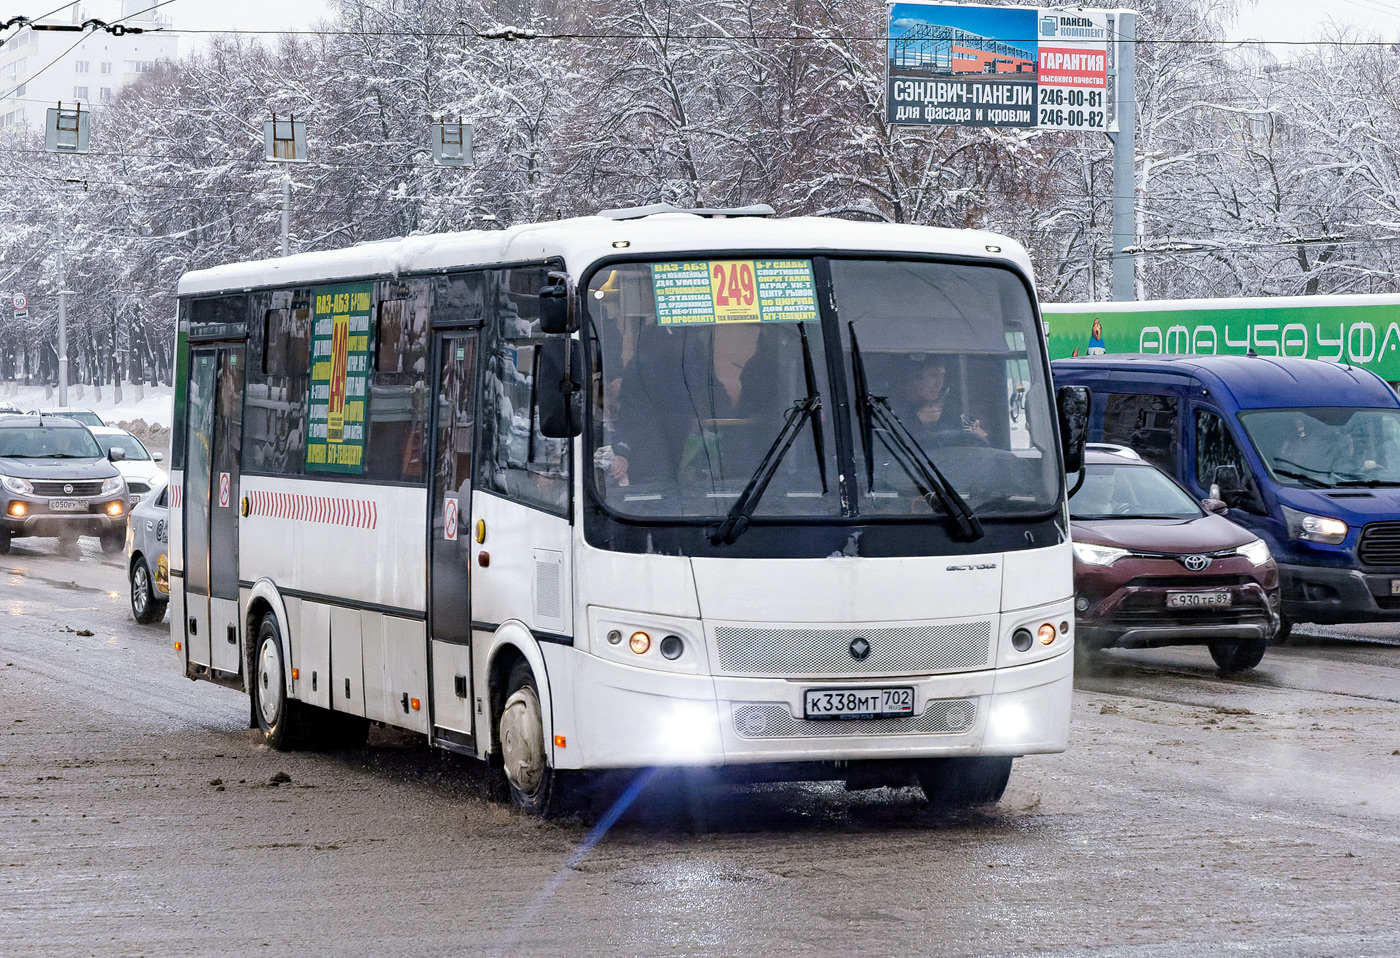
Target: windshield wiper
[[737, 520], [1304, 478], [911, 456], [1372, 483]]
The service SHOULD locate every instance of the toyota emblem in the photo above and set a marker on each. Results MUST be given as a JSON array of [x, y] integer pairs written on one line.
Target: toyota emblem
[[859, 649], [68, 489], [1196, 563]]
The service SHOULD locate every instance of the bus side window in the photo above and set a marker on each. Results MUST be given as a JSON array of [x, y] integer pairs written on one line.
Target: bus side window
[[516, 460], [1146, 424], [278, 375], [398, 388]]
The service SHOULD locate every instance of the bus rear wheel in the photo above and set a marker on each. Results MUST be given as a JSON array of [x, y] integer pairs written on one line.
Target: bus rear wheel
[[959, 782], [533, 784], [278, 716]]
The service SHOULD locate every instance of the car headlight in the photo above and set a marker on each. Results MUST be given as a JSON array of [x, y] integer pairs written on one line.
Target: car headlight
[[16, 485], [1256, 552], [1098, 555], [1310, 528], [113, 486]]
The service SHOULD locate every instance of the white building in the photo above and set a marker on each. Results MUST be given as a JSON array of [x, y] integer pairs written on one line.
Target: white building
[[38, 70]]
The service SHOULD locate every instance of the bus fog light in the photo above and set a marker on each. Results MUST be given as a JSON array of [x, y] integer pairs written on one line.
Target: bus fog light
[[1021, 640], [614, 637], [640, 642], [1009, 722], [1046, 634], [689, 729], [672, 647]]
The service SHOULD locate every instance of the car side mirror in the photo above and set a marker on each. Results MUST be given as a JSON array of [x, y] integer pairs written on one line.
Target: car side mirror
[[1227, 485], [157, 457], [557, 309], [1215, 507], [116, 455], [559, 389], [1072, 403]]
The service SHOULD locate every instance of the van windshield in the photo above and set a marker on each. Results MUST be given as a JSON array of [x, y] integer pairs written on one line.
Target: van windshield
[[1327, 446]]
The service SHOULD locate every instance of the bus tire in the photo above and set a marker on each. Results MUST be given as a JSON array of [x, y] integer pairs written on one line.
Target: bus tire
[[534, 785], [278, 716], [1238, 656], [959, 782]]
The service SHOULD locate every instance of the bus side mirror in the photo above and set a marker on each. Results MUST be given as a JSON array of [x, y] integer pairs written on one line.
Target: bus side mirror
[[1072, 403], [557, 310], [559, 389]]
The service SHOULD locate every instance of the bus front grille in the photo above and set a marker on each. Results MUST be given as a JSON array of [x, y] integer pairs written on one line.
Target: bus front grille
[[775, 720], [897, 650]]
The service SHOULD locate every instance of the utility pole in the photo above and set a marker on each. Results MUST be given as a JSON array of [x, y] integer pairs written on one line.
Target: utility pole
[[1125, 158], [62, 316]]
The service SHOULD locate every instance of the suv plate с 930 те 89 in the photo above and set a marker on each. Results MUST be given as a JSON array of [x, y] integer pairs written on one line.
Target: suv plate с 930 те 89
[[55, 481]]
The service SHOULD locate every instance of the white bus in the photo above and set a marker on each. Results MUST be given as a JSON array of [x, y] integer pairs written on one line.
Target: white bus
[[782, 498]]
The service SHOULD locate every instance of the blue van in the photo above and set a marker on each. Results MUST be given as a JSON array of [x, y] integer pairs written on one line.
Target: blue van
[[1306, 454]]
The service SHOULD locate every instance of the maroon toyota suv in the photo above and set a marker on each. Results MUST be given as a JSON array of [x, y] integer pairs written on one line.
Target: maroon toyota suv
[[1153, 568]]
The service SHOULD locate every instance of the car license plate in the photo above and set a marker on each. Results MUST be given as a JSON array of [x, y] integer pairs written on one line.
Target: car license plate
[[858, 703], [68, 505], [1195, 600]]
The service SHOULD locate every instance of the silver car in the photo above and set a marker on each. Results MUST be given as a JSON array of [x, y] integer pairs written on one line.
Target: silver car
[[147, 554]]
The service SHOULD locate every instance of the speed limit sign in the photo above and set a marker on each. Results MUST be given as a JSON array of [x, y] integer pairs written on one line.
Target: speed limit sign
[[21, 301]]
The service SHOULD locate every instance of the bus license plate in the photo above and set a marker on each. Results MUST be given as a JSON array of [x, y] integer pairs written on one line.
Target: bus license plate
[[858, 703], [68, 505], [1196, 600]]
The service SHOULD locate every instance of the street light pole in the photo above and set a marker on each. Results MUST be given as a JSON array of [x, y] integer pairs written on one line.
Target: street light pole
[[62, 309]]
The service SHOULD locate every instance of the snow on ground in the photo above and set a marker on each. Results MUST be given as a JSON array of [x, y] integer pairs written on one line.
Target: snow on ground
[[155, 405]]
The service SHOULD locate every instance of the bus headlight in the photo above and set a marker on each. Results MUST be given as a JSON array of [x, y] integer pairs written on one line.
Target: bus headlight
[[1310, 528]]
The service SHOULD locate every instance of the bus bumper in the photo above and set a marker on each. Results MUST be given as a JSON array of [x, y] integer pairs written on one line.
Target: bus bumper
[[627, 718]]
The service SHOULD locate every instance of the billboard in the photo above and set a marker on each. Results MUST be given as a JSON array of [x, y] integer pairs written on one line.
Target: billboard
[[1357, 330], [1024, 67]]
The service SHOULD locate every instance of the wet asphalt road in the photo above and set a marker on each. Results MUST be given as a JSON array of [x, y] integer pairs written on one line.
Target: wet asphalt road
[[1193, 815]]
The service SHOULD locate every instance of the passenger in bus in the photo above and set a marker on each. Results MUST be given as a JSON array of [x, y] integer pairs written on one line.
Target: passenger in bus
[[695, 402]]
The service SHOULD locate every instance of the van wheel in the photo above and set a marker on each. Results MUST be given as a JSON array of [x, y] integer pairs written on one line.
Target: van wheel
[[279, 717], [1238, 656], [959, 782], [534, 785]]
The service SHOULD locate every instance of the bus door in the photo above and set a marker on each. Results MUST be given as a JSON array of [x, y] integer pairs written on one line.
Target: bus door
[[450, 535], [211, 506]]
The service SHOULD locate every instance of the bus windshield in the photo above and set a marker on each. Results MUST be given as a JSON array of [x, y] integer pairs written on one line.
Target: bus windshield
[[1327, 446], [708, 374]]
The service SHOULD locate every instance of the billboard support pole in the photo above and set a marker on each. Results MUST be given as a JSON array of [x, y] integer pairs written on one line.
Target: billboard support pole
[[1124, 161]]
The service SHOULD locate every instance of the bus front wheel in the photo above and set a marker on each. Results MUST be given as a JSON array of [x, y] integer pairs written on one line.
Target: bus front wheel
[[277, 715], [957, 782], [534, 785]]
